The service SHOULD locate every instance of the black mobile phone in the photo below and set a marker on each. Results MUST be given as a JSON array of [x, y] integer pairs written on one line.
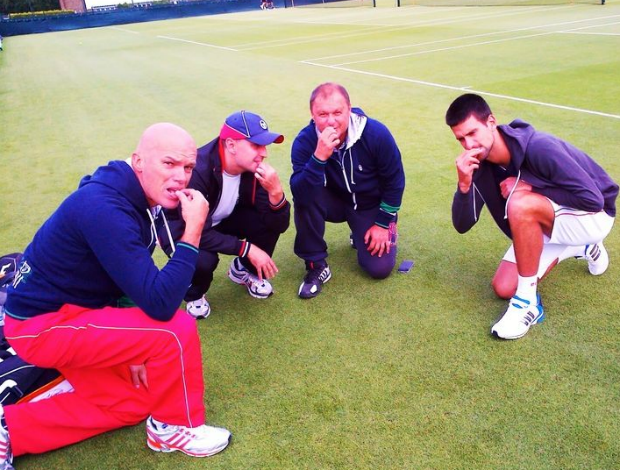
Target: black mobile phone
[[406, 266]]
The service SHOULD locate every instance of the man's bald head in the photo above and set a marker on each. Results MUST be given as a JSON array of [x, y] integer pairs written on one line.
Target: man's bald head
[[165, 137], [163, 162]]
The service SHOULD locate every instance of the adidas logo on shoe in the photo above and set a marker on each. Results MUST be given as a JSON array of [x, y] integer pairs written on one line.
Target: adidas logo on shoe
[[598, 259]]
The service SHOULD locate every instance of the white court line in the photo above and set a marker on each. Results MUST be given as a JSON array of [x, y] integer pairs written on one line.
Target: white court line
[[482, 43], [593, 25], [495, 33], [575, 30], [198, 43], [261, 44], [399, 16], [467, 89], [595, 34], [124, 30], [432, 22], [370, 28]]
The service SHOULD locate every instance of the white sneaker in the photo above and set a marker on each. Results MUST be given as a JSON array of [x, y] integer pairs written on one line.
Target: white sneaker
[[6, 456], [597, 257], [201, 441], [256, 288], [518, 319], [199, 308]]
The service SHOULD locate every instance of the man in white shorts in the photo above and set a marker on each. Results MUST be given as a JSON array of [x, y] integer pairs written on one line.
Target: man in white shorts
[[549, 197]]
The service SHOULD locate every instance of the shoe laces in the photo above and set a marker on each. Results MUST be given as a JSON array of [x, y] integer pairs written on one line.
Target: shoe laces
[[189, 432], [254, 280], [199, 303], [314, 274], [521, 310]]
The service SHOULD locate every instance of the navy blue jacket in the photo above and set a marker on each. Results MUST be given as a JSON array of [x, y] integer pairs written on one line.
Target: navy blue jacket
[[95, 249], [553, 167], [368, 174]]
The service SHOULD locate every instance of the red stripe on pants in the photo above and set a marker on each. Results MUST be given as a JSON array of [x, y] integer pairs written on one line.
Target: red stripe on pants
[[93, 350]]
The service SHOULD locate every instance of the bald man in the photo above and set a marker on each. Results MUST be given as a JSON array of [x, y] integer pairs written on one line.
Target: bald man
[[64, 311]]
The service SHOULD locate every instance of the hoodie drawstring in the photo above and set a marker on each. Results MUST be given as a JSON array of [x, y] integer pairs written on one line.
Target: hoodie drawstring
[[510, 195], [158, 211]]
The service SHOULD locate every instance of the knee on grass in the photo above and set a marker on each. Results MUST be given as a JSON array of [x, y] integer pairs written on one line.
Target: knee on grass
[[378, 270], [503, 288]]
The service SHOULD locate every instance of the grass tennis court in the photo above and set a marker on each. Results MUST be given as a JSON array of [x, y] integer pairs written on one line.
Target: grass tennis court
[[399, 374]]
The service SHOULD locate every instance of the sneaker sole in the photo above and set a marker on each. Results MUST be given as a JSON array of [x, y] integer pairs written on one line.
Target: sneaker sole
[[538, 320], [199, 317], [159, 447], [258, 296]]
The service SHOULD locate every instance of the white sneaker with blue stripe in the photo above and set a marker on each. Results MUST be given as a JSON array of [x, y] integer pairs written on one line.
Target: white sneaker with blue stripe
[[519, 317]]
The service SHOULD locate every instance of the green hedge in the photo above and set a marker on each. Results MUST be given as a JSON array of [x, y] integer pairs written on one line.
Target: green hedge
[[36, 14]]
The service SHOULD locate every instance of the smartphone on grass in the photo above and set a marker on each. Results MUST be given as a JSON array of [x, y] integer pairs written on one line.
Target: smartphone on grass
[[406, 266]]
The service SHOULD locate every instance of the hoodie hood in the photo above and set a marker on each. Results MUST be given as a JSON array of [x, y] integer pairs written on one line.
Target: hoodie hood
[[517, 136], [120, 177], [357, 122]]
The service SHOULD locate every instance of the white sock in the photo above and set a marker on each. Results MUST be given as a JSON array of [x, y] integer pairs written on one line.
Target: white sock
[[526, 288]]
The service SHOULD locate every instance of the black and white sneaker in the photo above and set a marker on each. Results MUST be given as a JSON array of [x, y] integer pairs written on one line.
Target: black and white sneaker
[[317, 274], [199, 308]]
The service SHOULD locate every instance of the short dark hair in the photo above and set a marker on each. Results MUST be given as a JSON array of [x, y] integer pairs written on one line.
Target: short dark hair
[[325, 89], [467, 105]]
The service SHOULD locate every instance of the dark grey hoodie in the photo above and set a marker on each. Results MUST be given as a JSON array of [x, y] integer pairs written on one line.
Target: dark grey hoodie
[[554, 168]]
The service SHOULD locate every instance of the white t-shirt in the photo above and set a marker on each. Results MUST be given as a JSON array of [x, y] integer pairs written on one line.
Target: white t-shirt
[[228, 200]]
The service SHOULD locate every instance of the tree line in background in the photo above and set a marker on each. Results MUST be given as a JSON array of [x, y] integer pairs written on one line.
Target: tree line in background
[[24, 6]]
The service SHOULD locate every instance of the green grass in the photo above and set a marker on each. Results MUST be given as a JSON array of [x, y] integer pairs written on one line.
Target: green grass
[[398, 374]]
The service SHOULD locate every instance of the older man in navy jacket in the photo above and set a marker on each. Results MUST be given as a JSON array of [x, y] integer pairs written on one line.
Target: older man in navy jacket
[[346, 167]]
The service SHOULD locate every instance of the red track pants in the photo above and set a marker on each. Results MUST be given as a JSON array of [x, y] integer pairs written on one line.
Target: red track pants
[[93, 350]]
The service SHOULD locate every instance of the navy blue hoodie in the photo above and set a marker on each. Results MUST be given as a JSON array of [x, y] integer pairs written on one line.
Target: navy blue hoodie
[[553, 167], [95, 249]]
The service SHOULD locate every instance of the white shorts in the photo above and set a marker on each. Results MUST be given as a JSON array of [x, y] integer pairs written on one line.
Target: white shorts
[[572, 229]]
